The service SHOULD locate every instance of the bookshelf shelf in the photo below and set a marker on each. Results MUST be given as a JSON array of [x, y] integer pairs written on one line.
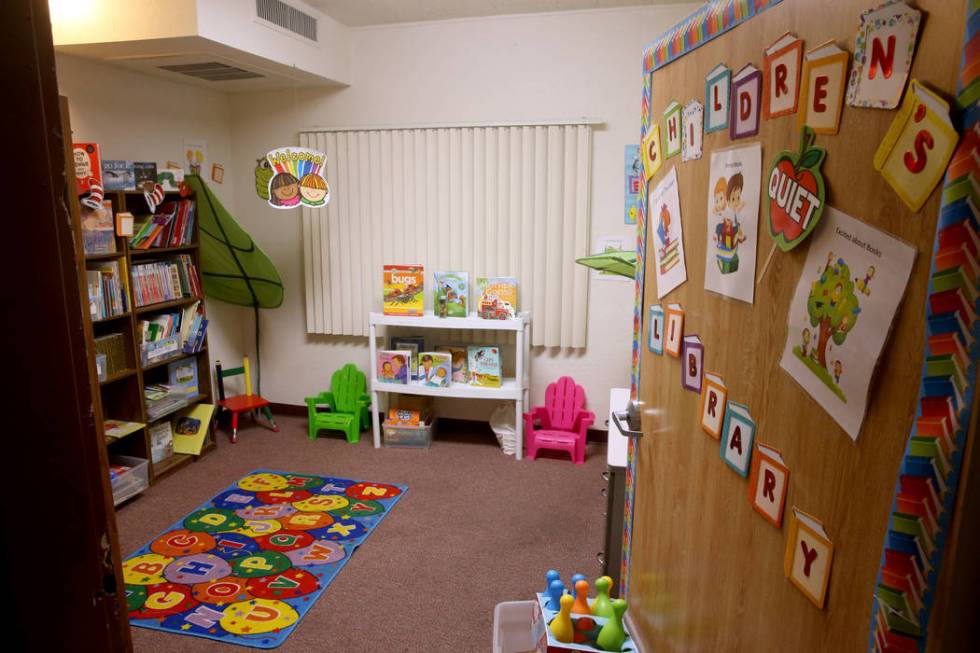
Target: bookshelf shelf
[[122, 393], [162, 306]]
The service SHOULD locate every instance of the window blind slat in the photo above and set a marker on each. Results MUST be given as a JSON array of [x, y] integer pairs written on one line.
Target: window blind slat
[[495, 201]]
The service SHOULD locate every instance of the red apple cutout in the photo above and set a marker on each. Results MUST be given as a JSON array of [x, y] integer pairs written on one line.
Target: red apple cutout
[[796, 192]]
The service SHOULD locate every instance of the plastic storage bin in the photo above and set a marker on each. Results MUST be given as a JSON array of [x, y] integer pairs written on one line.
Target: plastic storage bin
[[419, 437], [518, 627], [132, 481]]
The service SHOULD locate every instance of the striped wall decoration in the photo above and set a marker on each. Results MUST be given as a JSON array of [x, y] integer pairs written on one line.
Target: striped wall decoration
[[493, 201]]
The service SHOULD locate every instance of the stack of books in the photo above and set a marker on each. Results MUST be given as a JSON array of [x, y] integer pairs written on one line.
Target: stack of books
[[171, 226], [106, 294], [164, 281], [163, 399]]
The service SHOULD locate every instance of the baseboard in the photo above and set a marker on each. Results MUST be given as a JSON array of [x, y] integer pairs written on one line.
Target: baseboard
[[593, 435]]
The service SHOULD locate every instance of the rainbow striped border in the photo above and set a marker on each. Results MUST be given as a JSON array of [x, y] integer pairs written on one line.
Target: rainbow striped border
[[708, 22]]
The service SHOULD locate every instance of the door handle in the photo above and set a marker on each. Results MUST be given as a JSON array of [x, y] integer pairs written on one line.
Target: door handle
[[620, 417]]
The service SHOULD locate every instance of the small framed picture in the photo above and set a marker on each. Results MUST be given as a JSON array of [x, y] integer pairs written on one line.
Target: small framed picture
[[217, 173]]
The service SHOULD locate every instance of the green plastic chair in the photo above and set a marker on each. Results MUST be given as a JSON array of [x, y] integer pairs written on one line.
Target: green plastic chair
[[348, 405]]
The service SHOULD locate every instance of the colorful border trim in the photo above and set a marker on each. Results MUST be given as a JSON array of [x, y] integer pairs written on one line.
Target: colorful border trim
[[706, 23], [951, 214]]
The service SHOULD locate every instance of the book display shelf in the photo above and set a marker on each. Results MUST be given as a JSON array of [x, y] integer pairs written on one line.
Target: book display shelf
[[125, 366]]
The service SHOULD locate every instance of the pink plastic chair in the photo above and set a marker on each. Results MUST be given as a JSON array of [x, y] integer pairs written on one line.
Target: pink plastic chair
[[561, 423]]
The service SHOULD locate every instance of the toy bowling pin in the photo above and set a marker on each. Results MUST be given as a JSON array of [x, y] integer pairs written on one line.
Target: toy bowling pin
[[612, 635], [555, 591], [602, 606], [575, 579], [581, 605], [561, 626], [550, 577]]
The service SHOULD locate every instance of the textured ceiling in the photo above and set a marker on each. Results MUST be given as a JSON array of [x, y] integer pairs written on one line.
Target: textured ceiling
[[357, 13]]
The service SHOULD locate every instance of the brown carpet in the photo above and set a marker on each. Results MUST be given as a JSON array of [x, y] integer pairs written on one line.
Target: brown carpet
[[475, 528]]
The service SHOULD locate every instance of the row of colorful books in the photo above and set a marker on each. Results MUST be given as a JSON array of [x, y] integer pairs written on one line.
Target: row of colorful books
[[164, 281], [477, 365], [172, 225], [404, 293], [930, 467], [164, 335], [120, 175], [106, 292]]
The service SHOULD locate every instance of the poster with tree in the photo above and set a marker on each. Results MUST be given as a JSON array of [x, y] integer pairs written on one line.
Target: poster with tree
[[850, 288]]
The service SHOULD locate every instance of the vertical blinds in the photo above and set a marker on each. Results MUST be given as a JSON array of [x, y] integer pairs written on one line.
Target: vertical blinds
[[493, 201]]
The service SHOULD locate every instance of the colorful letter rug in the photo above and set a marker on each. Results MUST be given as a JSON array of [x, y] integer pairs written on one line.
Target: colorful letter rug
[[246, 566]]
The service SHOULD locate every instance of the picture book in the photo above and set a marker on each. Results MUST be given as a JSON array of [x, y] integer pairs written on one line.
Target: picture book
[[852, 283], [117, 428], [781, 76], [161, 441], [393, 366], [497, 297], [98, 235], [145, 172], [733, 221], [746, 102], [822, 88], [403, 287], [118, 175], [435, 369], [450, 297], [191, 428], [483, 363], [664, 206], [88, 166], [183, 374], [883, 53], [917, 146], [809, 553], [768, 480], [403, 417], [414, 344], [460, 372]]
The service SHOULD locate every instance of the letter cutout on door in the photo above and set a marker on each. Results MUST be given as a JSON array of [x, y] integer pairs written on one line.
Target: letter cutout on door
[[809, 553]]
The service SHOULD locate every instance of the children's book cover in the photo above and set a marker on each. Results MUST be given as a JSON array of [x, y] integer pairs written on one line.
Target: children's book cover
[[435, 368], [183, 374], [403, 287], [191, 427], [146, 175], [450, 297], [497, 298], [414, 344], [118, 175], [883, 53], [484, 365], [852, 283], [88, 166], [633, 176], [460, 372], [117, 428], [394, 365], [917, 146], [664, 207], [733, 221], [98, 235]]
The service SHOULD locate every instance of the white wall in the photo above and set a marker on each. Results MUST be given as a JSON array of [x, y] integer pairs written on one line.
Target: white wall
[[512, 68], [142, 118]]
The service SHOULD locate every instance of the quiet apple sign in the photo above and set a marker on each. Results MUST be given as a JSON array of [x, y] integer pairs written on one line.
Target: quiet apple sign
[[796, 193]]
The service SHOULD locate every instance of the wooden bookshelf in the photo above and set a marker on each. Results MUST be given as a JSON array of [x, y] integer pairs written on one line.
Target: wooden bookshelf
[[121, 393]]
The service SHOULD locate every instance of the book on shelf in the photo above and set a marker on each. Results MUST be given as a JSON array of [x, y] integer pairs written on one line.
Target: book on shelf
[[484, 365], [161, 441], [183, 374], [163, 335], [435, 369], [393, 366], [403, 288], [191, 428], [460, 372], [118, 175], [117, 428], [497, 297], [98, 236], [414, 344], [106, 295], [451, 294], [163, 399], [172, 225], [88, 166], [163, 281], [146, 173]]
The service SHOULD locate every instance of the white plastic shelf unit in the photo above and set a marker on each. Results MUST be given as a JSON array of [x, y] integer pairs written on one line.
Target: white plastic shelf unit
[[512, 388]]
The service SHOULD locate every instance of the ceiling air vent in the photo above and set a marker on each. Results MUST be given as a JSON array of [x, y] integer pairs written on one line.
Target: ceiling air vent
[[211, 71], [287, 17]]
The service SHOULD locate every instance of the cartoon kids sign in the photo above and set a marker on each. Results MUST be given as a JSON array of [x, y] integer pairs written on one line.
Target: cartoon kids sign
[[733, 221], [295, 178], [839, 318]]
